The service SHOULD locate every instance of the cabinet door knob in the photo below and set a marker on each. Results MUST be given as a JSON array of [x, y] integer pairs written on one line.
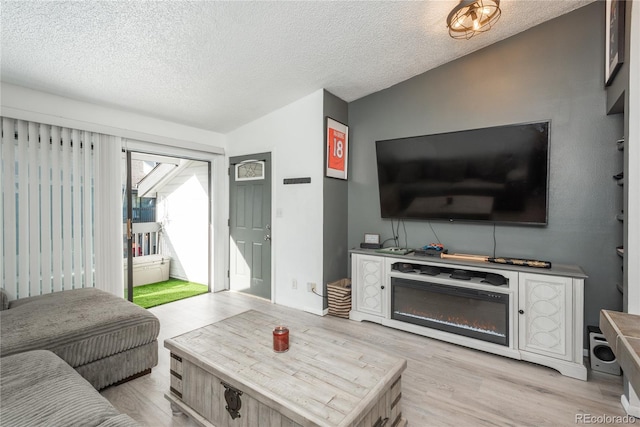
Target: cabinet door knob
[[382, 287], [521, 311]]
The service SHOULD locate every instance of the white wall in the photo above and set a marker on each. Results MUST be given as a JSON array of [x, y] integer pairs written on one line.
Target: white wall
[[182, 209], [28, 104], [632, 247], [294, 136]]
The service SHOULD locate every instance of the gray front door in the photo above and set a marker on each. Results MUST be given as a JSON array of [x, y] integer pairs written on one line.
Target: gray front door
[[250, 224]]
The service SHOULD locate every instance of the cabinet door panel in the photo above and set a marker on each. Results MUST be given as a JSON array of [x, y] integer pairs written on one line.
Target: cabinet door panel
[[545, 322], [369, 285]]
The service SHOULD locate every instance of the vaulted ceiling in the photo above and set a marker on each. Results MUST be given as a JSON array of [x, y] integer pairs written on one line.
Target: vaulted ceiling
[[218, 65]]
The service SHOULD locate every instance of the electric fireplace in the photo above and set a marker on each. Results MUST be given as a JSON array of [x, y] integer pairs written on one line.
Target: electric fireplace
[[473, 313]]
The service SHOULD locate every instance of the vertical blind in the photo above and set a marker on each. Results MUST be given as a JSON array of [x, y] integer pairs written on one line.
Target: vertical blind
[[50, 207]]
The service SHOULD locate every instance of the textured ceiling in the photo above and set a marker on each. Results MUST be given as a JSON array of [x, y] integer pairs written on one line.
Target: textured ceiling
[[219, 65]]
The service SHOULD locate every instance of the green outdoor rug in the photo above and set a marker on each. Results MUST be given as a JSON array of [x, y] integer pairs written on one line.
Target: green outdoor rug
[[148, 296]]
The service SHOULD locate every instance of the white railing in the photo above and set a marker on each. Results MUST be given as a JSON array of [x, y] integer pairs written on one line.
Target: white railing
[[146, 238]]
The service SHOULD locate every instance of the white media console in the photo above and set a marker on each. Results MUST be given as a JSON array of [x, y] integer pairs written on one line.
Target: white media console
[[540, 310]]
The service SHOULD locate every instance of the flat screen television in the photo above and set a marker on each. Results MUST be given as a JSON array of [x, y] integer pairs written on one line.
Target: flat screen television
[[497, 174]]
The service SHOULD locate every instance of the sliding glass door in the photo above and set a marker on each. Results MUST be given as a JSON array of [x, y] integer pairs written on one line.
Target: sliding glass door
[[166, 221]]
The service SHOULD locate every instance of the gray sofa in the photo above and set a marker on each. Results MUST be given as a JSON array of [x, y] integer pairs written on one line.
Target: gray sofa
[[40, 389], [105, 339]]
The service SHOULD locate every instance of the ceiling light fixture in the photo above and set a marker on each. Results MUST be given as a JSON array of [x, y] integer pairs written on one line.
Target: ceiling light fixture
[[472, 16]]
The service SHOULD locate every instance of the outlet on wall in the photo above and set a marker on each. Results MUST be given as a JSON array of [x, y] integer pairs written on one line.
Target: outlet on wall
[[294, 284], [311, 287]]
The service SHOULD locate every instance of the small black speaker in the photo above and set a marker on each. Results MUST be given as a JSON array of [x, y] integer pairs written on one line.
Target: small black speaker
[[370, 245], [600, 354]]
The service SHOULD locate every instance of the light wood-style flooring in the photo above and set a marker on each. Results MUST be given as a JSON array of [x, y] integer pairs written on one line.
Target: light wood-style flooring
[[443, 385]]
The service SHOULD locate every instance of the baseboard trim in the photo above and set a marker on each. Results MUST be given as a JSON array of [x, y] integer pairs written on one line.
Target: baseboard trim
[[634, 411], [631, 407]]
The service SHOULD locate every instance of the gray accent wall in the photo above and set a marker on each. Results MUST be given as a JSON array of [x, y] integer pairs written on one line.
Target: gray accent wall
[[554, 71], [335, 250]]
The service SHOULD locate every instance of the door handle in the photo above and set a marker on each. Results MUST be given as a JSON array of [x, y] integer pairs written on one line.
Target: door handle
[[267, 237]]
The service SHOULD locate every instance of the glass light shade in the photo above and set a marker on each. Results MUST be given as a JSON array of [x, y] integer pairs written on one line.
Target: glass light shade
[[472, 16]]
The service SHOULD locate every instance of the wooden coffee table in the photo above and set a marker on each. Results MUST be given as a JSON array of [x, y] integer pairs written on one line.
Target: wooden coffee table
[[227, 374]]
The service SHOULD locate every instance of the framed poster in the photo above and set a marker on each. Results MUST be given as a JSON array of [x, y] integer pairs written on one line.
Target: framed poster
[[337, 149], [614, 39]]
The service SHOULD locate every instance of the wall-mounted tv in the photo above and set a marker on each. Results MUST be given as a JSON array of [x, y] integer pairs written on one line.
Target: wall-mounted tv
[[497, 174]]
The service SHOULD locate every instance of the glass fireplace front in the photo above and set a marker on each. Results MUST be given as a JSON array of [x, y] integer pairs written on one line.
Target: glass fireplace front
[[473, 313]]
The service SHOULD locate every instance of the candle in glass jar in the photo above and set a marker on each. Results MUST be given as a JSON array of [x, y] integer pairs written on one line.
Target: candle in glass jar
[[280, 339]]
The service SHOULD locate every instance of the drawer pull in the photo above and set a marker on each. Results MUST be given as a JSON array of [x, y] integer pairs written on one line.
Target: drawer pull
[[381, 422]]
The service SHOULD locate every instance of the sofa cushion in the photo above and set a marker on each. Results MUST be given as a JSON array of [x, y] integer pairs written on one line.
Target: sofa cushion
[[80, 325], [37, 388], [4, 299], [112, 369]]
